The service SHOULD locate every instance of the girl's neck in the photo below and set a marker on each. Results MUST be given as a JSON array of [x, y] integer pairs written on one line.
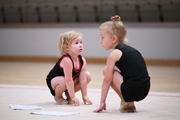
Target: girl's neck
[[73, 57], [75, 61], [114, 45]]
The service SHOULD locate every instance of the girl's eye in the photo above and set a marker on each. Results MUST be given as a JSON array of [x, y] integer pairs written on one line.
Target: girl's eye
[[78, 42]]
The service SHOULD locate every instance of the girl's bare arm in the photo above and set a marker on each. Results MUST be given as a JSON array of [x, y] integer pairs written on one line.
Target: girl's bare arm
[[82, 79], [108, 76], [66, 63], [83, 84]]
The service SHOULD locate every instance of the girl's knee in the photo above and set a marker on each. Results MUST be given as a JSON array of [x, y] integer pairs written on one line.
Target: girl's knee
[[57, 81]]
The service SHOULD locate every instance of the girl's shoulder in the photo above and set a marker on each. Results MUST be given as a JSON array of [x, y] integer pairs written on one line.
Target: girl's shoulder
[[115, 55], [65, 56], [65, 59]]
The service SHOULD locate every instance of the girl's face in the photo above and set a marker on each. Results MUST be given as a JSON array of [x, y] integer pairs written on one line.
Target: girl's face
[[76, 46], [106, 40]]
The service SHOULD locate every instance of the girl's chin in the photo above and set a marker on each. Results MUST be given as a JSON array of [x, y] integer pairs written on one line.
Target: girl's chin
[[106, 49]]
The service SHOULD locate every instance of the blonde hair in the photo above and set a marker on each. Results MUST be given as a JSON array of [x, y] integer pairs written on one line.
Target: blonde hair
[[115, 27], [66, 39]]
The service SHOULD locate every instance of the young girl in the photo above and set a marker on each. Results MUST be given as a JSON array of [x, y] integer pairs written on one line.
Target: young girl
[[69, 74], [125, 69]]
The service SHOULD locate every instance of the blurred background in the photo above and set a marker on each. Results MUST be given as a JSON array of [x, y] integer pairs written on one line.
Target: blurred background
[[93, 11], [32, 27]]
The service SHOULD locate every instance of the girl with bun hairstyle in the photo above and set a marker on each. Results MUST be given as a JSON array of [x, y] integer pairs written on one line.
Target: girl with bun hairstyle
[[125, 70]]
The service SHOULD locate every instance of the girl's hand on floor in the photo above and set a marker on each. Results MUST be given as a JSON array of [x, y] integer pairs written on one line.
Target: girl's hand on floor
[[86, 100], [101, 107], [76, 102]]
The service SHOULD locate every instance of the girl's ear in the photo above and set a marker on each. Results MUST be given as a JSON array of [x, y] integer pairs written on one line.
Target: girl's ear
[[66, 47], [114, 38]]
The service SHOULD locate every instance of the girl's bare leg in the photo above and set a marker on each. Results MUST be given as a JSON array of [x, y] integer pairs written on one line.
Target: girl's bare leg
[[77, 86], [116, 83], [58, 85]]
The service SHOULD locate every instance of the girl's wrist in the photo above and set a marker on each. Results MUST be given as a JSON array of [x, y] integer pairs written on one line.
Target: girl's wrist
[[84, 96], [73, 97]]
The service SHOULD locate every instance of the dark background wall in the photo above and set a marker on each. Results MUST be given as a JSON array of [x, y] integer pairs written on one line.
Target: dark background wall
[[75, 11]]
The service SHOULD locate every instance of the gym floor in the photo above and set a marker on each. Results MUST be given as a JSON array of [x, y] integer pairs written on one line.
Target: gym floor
[[24, 83]]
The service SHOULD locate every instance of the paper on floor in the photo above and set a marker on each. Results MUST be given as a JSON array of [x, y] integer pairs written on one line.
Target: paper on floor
[[55, 113], [25, 107]]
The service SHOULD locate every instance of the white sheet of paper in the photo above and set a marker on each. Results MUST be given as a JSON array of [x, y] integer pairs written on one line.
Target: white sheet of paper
[[25, 107], [55, 113]]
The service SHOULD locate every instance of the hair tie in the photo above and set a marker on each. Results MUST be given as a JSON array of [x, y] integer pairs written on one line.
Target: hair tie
[[113, 19]]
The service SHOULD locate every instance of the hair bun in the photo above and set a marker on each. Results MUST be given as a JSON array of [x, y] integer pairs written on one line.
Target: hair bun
[[116, 18]]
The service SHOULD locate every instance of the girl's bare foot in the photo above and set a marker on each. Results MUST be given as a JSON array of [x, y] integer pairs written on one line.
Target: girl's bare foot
[[127, 107], [68, 98], [61, 101]]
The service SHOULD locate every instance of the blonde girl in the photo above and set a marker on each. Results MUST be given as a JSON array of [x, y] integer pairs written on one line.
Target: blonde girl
[[69, 74], [125, 69]]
